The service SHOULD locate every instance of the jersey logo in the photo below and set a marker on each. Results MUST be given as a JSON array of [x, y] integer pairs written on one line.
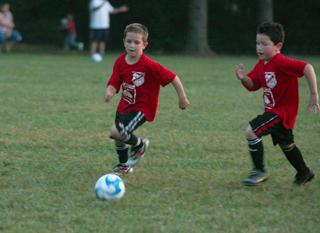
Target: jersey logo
[[271, 80], [138, 78], [268, 98], [129, 93]]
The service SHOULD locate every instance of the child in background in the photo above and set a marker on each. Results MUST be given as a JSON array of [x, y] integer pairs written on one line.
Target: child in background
[[8, 33], [140, 79], [70, 40], [278, 76]]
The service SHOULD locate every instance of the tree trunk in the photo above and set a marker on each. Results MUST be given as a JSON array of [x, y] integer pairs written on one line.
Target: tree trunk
[[197, 37], [265, 11]]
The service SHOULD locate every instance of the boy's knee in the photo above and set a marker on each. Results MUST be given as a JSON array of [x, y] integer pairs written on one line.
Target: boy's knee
[[250, 135], [114, 134], [287, 147]]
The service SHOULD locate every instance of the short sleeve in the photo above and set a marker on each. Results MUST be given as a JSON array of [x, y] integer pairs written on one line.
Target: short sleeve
[[291, 67], [115, 78], [164, 75], [254, 76], [110, 7], [94, 3]]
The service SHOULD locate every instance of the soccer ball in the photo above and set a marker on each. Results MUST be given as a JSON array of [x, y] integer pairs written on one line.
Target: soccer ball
[[109, 187], [96, 57]]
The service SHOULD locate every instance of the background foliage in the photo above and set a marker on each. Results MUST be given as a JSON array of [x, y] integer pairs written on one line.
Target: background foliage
[[232, 23]]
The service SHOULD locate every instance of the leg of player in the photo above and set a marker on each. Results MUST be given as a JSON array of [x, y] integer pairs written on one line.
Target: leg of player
[[258, 173], [137, 151], [122, 151], [294, 156], [129, 123]]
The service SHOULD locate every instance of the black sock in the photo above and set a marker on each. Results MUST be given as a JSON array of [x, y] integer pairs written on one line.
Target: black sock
[[295, 158], [139, 144], [256, 153], [133, 140], [122, 151]]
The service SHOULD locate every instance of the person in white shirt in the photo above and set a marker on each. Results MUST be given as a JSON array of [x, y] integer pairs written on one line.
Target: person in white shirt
[[100, 11]]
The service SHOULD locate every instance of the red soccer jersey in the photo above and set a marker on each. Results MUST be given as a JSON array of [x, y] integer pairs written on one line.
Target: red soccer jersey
[[140, 84], [71, 27], [279, 80]]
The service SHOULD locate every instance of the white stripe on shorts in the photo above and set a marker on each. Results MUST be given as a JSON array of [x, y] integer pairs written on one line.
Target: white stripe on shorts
[[132, 124]]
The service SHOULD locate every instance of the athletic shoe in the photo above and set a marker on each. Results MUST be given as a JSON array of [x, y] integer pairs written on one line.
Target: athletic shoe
[[255, 177], [136, 153], [121, 169], [302, 179]]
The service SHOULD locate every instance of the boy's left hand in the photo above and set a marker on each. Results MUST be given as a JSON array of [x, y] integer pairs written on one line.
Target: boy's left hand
[[314, 105], [183, 103]]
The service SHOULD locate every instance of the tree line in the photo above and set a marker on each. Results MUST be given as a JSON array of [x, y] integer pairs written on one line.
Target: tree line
[[224, 26]]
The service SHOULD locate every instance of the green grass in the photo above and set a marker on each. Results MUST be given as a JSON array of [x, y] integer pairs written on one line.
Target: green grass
[[54, 146]]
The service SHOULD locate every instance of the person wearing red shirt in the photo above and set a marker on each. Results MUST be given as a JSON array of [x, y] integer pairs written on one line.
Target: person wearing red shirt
[[71, 37], [140, 79], [277, 75]]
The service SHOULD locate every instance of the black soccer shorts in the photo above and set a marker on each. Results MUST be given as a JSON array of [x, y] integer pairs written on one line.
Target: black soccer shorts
[[126, 123], [271, 123]]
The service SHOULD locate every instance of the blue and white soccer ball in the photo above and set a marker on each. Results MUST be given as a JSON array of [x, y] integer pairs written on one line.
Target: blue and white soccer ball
[[109, 187]]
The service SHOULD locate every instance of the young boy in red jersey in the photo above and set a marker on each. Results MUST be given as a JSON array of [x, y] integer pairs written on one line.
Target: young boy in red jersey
[[140, 79], [278, 76], [70, 40]]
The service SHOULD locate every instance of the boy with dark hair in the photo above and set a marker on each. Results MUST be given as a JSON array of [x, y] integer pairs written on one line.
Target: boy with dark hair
[[278, 76], [140, 79]]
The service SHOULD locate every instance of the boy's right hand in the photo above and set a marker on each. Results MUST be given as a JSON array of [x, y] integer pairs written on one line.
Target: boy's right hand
[[240, 72], [110, 92]]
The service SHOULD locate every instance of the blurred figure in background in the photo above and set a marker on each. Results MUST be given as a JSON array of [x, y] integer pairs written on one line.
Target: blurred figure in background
[[100, 11], [70, 40], [8, 34]]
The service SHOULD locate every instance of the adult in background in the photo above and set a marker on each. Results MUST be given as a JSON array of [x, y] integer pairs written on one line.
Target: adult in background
[[8, 33], [100, 11]]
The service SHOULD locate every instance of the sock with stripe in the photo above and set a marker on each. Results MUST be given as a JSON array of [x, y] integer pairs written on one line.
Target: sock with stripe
[[295, 158], [133, 140], [256, 153], [122, 151]]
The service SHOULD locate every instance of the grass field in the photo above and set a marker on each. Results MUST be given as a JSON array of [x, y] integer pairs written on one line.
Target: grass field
[[54, 146]]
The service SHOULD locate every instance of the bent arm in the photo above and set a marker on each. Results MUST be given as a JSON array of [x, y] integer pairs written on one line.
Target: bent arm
[[241, 75], [109, 94], [311, 77], [183, 99], [247, 82], [120, 9]]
